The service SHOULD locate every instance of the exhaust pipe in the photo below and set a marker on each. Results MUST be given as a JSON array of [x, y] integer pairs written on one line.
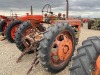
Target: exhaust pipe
[[31, 10], [67, 8]]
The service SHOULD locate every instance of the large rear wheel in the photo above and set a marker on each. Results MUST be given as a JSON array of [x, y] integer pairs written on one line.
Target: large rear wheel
[[56, 47], [11, 29], [24, 29], [85, 60]]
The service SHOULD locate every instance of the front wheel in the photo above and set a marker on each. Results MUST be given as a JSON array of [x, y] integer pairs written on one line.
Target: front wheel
[[56, 47]]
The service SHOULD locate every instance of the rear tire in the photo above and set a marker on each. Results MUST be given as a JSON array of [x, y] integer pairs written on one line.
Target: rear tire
[[18, 36], [90, 24], [46, 44], [9, 29], [84, 61], [2, 23]]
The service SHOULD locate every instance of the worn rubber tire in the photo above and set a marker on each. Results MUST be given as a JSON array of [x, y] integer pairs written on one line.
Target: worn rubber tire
[[90, 24], [84, 61], [9, 29], [45, 46], [2, 23], [19, 33]]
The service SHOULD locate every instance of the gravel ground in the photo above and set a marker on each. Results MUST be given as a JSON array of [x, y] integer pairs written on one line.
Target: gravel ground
[[9, 53]]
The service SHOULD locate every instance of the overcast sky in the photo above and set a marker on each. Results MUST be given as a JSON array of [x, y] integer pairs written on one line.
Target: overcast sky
[[83, 8]]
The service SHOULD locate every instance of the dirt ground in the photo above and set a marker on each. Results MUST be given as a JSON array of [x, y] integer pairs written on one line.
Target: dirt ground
[[9, 53]]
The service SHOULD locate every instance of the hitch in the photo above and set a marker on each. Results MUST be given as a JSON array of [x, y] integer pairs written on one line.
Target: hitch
[[34, 64], [31, 44]]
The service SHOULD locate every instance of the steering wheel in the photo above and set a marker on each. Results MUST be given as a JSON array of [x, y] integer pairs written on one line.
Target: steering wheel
[[48, 11]]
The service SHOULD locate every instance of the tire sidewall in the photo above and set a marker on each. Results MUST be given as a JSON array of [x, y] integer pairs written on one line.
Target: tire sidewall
[[2, 23]]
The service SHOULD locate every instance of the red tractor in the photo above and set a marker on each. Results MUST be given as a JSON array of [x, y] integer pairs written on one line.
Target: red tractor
[[53, 45], [86, 20], [87, 60], [9, 26], [13, 25]]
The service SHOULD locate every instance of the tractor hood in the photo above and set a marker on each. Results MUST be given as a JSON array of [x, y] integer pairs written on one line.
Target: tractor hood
[[27, 17]]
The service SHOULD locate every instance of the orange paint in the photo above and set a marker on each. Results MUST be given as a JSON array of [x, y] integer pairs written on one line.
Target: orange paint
[[62, 47], [98, 63], [27, 17], [75, 22], [65, 49], [13, 31]]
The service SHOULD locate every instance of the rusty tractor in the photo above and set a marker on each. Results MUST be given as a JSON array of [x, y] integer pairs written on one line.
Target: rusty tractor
[[13, 25], [87, 60], [8, 27], [52, 39], [94, 24]]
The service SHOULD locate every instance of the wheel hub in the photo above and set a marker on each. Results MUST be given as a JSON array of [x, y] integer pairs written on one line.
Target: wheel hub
[[64, 49]]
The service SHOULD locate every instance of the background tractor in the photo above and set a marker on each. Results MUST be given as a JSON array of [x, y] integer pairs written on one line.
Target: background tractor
[[94, 24], [87, 60], [86, 20], [52, 39]]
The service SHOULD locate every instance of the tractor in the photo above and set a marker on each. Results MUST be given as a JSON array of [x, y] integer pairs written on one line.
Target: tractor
[[87, 60], [52, 39], [13, 25], [94, 24], [86, 20], [8, 27], [4, 21]]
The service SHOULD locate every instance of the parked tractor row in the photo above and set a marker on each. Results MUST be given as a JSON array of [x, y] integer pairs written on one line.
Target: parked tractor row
[[53, 39]]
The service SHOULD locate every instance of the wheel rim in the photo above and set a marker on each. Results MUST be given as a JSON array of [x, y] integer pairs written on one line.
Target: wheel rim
[[13, 31], [24, 34], [27, 31], [61, 48]]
